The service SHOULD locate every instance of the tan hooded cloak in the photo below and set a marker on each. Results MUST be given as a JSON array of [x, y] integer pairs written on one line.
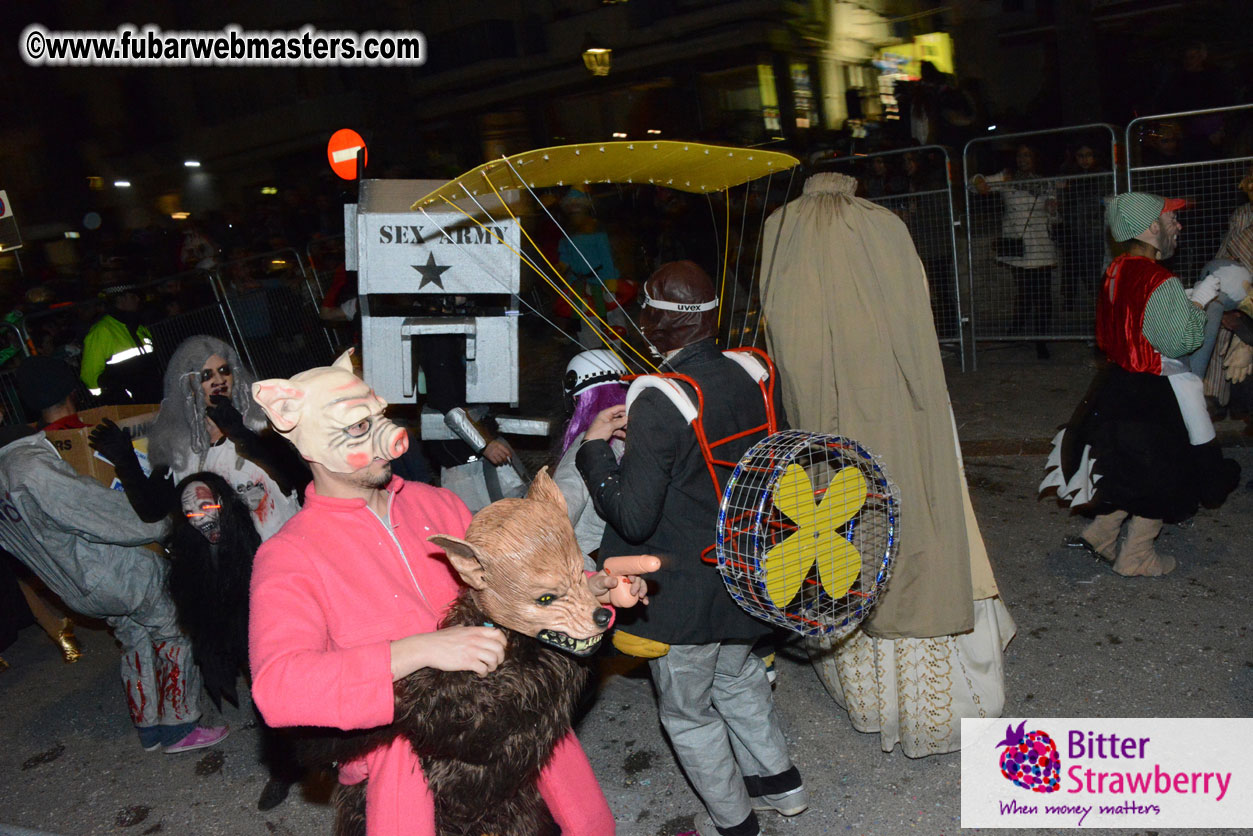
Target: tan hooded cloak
[[846, 301], [849, 324]]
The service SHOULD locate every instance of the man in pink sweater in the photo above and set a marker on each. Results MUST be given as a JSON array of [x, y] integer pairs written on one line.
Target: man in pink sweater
[[348, 596]]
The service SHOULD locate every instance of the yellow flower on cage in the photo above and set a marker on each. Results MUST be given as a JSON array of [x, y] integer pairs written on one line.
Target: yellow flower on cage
[[817, 538]]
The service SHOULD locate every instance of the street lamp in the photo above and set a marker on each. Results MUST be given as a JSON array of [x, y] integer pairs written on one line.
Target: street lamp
[[596, 58]]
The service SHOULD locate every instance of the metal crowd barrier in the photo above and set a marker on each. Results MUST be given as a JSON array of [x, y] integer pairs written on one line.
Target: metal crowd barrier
[[273, 310], [1035, 241], [915, 184], [194, 307], [324, 256], [271, 322], [1035, 246], [10, 403], [1188, 155], [177, 297]]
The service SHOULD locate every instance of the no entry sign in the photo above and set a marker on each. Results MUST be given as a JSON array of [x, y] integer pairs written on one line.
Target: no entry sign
[[342, 150]]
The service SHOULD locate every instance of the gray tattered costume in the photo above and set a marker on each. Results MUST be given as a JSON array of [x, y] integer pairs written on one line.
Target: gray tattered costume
[[85, 542]]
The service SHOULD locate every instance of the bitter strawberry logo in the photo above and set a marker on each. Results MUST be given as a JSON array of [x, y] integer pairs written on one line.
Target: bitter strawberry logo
[[1030, 759]]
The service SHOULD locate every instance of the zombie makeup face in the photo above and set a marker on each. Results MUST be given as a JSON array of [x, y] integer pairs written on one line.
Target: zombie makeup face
[[203, 510], [215, 378], [334, 418]]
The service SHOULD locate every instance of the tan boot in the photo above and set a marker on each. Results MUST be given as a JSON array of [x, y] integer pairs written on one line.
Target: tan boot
[[1102, 534], [1137, 557]]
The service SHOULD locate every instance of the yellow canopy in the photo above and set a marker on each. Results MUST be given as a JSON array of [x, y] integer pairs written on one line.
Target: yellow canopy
[[686, 166]]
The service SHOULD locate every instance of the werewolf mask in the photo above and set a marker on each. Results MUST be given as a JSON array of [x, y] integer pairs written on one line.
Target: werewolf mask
[[525, 570], [332, 416], [483, 740]]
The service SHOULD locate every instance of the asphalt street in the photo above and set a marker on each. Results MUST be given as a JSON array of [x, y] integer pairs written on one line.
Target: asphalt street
[[1089, 644]]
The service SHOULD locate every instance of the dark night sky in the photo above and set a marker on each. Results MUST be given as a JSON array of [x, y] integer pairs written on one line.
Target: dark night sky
[[62, 123]]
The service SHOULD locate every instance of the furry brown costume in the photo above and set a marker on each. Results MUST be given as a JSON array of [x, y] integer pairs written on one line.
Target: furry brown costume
[[483, 741]]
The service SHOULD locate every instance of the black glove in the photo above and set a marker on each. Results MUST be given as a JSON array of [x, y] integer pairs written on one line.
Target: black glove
[[151, 497], [223, 413], [112, 442]]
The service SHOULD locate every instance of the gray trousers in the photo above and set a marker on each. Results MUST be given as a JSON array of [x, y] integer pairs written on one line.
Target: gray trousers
[[716, 706], [161, 678]]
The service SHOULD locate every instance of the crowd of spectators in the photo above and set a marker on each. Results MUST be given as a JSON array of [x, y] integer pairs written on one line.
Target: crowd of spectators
[[164, 266]]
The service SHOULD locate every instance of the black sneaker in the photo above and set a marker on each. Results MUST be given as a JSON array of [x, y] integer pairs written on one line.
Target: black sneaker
[[705, 827], [273, 794]]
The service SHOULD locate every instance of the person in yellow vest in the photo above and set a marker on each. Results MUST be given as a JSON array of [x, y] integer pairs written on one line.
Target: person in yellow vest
[[112, 346]]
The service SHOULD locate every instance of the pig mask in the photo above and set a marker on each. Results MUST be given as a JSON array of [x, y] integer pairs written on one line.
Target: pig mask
[[332, 416], [525, 570]]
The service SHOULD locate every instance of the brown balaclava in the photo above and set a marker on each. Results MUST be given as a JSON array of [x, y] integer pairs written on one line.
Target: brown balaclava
[[680, 306]]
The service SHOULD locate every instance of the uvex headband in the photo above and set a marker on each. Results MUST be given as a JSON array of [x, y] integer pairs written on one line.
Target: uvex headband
[[682, 307]]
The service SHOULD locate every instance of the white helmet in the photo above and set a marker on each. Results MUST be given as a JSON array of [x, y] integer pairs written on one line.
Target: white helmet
[[589, 369]]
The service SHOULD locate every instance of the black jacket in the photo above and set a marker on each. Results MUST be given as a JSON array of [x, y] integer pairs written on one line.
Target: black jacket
[[660, 500]]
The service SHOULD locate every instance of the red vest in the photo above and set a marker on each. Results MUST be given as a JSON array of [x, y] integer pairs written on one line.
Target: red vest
[[1125, 290]]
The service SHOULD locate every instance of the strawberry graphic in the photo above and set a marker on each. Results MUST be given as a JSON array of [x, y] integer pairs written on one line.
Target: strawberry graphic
[[1030, 759]]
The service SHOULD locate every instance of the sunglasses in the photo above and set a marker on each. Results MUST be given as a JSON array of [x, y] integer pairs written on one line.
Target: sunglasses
[[207, 374]]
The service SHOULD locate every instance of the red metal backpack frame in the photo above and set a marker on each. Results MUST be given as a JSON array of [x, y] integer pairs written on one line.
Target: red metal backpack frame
[[698, 425]]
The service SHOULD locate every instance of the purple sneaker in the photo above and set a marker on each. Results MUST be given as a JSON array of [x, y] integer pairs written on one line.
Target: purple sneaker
[[199, 738]]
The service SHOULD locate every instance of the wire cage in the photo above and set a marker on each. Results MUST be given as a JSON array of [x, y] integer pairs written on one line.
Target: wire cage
[[808, 531]]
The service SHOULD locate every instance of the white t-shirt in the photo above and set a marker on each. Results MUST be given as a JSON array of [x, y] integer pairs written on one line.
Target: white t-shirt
[[270, 507]]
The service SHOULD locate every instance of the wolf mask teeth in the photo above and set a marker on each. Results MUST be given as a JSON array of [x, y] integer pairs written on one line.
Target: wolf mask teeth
[[577, 647]]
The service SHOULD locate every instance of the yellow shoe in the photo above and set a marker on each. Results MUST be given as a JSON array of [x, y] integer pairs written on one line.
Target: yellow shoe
[[71, 651]]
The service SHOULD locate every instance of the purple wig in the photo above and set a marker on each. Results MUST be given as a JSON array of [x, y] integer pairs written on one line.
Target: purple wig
[[587, 405]]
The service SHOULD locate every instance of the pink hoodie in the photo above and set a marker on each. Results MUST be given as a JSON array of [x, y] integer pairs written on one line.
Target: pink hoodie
[[330, 592]]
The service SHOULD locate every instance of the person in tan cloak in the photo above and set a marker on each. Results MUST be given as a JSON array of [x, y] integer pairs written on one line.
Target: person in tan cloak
[[859, 358]]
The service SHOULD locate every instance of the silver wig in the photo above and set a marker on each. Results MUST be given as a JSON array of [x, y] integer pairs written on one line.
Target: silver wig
[[179, 435]]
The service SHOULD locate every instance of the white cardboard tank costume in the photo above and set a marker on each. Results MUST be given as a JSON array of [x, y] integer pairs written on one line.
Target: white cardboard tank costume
[[859, 358]]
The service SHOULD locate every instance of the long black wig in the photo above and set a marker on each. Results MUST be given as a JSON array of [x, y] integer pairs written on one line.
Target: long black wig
[[209, 586]]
